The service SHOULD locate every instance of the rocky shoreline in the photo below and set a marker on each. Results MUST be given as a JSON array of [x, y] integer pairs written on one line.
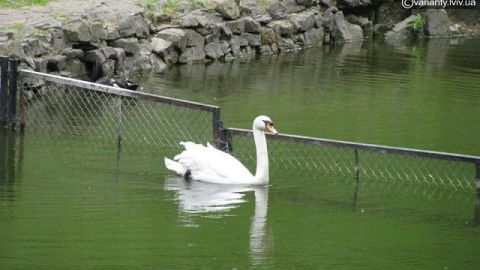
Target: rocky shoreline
[[222, 30]]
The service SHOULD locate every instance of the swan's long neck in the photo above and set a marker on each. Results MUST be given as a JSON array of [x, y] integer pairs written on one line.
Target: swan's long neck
[[261, 175]]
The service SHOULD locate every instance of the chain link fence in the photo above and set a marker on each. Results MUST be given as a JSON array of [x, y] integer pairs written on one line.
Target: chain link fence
[[60, 108], [313, 157]]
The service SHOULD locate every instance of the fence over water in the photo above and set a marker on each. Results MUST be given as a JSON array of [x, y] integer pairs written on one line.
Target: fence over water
[[57, 107]]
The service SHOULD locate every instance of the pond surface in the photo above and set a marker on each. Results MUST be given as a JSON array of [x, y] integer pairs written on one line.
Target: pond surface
[[72, 204]]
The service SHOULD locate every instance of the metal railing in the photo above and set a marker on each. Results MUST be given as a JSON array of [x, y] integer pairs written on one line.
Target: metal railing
[[317, 156], [60, 107]]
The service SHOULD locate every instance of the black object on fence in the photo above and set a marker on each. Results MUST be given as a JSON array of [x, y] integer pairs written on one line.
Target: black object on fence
[[8, 91]]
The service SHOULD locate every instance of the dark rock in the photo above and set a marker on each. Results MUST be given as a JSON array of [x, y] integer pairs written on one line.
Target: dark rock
[[276, 9], [57, 39], [75, 67], [213, 50], [437, 22], [158, 66], [159, 17], [314, 37], [77, 31], [354, 3], [292, 7], [71, 53], [390, 13], [328, 3], [282, 27], [165, 49], [252, 26], [236, 26], [194, 39], [134, 25], [98, 32], [130, 45], [56, 63], [364, 23], [253, 39], [198, 18], [228, 9], [306, 2], [242, 40], [286, 44], [302, 21], [381, 29], [38, 47], [235, 45], [225, 47], [176, 36], [263, 18], [192, 55], [345, 30], [225, 32], [265, 50], [402, 30]]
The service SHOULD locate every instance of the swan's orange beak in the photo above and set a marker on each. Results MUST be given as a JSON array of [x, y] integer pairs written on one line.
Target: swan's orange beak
[[269, 127]]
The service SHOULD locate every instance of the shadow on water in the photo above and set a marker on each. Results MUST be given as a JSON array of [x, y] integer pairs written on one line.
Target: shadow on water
[[11, 162], [213, 200]]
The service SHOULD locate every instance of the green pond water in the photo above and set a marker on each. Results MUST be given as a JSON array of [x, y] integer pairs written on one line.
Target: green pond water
[[74, 203]]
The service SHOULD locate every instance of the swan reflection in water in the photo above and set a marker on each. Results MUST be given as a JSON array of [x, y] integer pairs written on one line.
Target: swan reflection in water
[[216, 200]]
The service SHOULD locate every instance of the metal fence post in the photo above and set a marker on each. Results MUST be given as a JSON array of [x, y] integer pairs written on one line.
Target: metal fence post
[[217, 126], [3, 90], [477, 176], [12, 94], [357, 167], [119, 123]]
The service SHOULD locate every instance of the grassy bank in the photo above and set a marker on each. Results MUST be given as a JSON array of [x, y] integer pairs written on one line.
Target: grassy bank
[[21, 3]]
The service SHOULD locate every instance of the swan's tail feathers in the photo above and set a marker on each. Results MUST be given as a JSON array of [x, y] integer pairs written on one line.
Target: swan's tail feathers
[[176, 167]]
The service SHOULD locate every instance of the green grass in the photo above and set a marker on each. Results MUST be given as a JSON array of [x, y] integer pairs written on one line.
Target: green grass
[[21, 3]]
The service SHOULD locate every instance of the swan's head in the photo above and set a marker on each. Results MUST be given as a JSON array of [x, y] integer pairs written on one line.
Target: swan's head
[[264, 123]]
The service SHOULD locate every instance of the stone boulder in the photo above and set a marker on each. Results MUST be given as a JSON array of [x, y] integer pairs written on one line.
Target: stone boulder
[[354, 3], [236, 26], [252, 26], [276, 9], [345, 30], [313, 37], [402, 30], [129, 45], [213, 50], [192, 55], [194, 38], [306, 2], [197, 19], [437, 22], [176, 36], [302, 21], [77, 31], [228, 9], [165, 49], [390, 13], [134, 25], [282, 27]]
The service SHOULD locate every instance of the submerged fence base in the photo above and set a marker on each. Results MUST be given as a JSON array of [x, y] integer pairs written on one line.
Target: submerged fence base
[[60, 107]]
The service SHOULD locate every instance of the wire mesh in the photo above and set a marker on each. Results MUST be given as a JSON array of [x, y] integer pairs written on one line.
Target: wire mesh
[[61, 110], [316, 159]]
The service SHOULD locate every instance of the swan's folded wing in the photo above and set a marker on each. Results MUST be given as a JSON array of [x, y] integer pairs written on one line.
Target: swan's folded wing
[[212, 165]]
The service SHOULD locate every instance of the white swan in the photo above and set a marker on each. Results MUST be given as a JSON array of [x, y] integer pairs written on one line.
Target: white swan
[[208, 164]]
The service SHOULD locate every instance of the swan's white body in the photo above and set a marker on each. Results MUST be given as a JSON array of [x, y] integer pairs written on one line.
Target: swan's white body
[[208, 164]]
